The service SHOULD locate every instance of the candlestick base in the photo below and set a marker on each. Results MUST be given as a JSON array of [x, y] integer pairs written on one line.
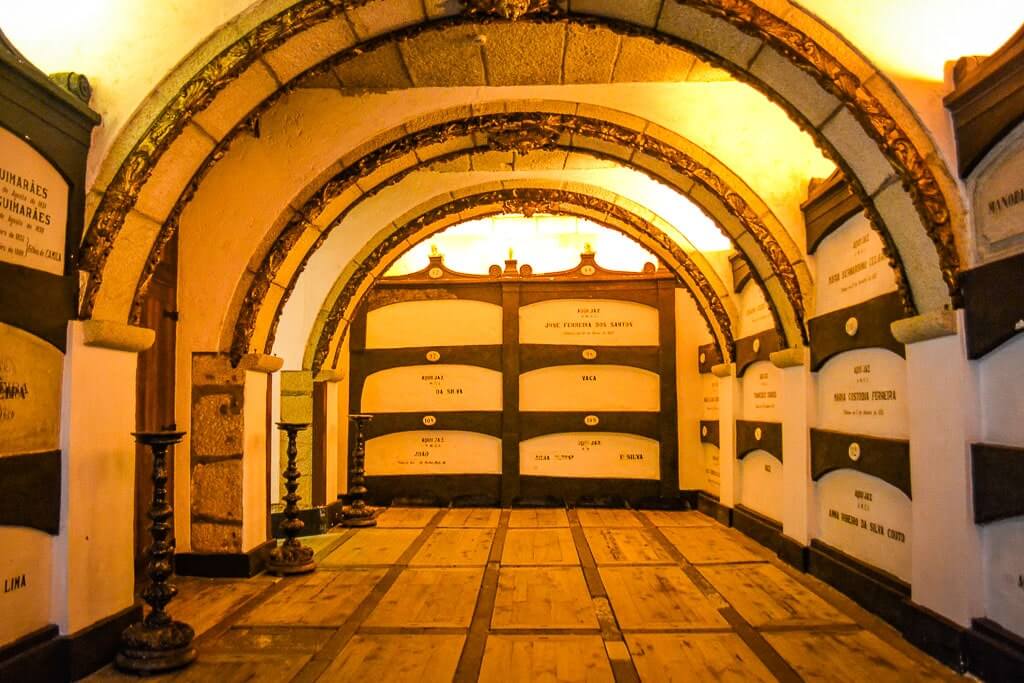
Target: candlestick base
[[147, 650], [290, 559]]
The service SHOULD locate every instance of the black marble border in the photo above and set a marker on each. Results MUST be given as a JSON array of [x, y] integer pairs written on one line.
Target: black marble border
[[763, 529], [712, 356], [885, 459], [998, 480], [827, 209], [224, 565], [30, 491], [710, 432], [534, 424], [435, 489], [747, 441], [993, 304], [746, 356], [875, 316]]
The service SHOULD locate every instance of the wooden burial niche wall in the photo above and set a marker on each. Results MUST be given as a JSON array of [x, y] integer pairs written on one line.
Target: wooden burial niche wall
[[860, 455], [759, 466], [515, 386], [44, 140]]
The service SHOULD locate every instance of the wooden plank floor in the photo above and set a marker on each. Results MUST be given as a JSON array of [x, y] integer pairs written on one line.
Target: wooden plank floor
[[479, 594]]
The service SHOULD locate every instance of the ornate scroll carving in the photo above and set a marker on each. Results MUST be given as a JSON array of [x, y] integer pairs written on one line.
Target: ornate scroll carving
[[509, 9], [832, 75], [523, 137], [566, 125], [555, 202]]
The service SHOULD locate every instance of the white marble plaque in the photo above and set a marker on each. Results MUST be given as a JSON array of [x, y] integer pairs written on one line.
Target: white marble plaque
[[591, 455], [33, 207], [590, 387], [709, 397], [762, 384], [438, 322], [760, 484], [600, 322], [30, 386], [1004, 595], [867, 518], [1002, 393], [864, 392], [433, 452], [432, 388], [851, 267], [755, 315], [997, 194], [712, 469], [25, 582]]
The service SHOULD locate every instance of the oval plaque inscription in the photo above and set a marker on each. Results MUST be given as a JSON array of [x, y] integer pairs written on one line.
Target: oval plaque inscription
[[429, 420], [591, 420], [433, 356], [589, 354], [854, 451]]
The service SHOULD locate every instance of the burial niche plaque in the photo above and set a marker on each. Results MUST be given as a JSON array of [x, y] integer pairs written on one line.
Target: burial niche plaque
[[852, 267], [600, 322], [998, 198], [591, 455], [433, 452], [864, 392], [33, 207], [30, 385], [432, 388], [761, 388], [589, 387], [452, 322]]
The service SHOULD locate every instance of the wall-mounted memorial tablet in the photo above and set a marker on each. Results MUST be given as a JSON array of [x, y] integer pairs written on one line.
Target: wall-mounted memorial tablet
[[712, 469], [762, 388], [434, 452], [863, 497], [760, 476], [45, 133], [709, 397], [598, 322], [755, 311], [452, 322], [864, 392], [590, 455], [589, 387], [997, 197], [851, 267], [432, 388]]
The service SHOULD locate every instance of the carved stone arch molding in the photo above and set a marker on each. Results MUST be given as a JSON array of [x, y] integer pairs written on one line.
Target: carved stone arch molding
[[853, 112], [605, 208], [658, 153]]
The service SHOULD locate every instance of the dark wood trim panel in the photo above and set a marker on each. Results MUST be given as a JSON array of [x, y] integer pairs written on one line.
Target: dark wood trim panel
[[885, 459], [747, 440], [645, 293], [710, 506], [993, 296], [766, 343], [873, 589], [434, 489], [829, 334], [318, 476], [537, 356], [987, 102], [573, 490], [710, 432], [741, 272], [998, 480], [669, 436], [761, 528], [993, 653], [708, 356], [224, 565], [30, 491], [387, 292], [483, 422], [541, 424], [829, 205], [511, 293]]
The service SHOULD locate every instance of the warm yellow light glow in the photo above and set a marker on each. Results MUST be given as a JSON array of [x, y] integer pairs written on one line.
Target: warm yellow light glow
[[915, 38], [546, 243]]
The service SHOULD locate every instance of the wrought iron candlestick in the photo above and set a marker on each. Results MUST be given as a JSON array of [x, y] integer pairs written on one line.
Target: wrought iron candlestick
[[291, 557], [359, 514], [158, 643]]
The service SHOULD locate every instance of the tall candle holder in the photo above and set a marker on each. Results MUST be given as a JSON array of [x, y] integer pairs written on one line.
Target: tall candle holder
[[158, 643], [359, 514], [290, 556]]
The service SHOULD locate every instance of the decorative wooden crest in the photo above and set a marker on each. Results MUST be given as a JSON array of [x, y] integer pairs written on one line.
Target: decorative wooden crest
[[511, 10]]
